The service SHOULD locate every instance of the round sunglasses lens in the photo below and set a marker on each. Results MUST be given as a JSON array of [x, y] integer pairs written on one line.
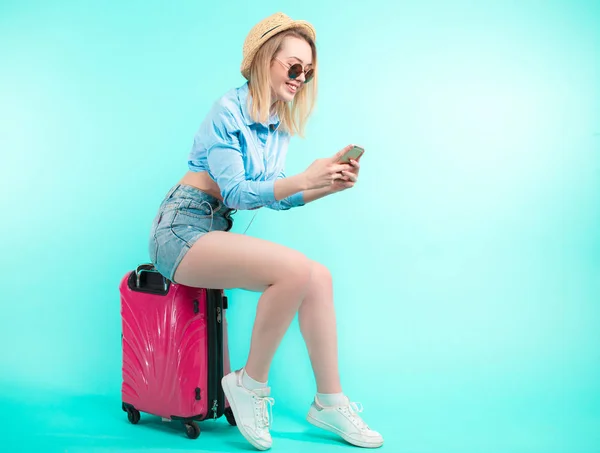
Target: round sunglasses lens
[[295, 71], [308, 76]]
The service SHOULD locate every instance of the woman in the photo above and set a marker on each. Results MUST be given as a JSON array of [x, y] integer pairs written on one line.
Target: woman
[[237, 162]]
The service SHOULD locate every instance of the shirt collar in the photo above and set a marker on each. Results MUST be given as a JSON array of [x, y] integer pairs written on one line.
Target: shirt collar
[[243, 94]]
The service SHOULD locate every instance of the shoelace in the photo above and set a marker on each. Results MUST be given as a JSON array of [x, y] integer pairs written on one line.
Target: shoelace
[[352, 411], [264, 411]]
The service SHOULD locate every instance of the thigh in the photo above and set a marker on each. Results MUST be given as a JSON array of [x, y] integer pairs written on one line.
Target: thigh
[[224, 260]]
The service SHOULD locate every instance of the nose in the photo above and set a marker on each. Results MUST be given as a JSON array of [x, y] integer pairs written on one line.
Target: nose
[[301, 77]]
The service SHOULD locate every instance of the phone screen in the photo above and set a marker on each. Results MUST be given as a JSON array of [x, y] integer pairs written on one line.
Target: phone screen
[[353, 153]]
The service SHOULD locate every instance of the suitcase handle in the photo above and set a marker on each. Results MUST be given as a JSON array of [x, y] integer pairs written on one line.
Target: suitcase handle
[[149, 268], [146, 268]]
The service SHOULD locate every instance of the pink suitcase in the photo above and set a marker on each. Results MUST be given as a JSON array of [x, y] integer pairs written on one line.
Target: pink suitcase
[[175, 351]]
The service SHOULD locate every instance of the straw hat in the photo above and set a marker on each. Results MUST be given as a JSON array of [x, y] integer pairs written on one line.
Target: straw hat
[[265, 29]]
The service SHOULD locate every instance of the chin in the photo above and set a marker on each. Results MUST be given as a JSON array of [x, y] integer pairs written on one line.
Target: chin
[[285, 95]]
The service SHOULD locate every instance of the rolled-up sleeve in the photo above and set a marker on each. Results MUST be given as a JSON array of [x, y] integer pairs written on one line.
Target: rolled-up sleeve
[[226, 167]]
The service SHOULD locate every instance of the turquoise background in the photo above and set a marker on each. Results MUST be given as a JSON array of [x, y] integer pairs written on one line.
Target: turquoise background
[[466, 261]]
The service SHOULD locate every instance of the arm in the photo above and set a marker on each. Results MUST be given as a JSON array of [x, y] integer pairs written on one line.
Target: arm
[[300, 199], [297, 184], [226, 167], [288, 187], [347, 181], [315, 194]]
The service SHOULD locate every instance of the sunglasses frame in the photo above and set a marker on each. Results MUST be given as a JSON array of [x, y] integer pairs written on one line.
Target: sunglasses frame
[[308, 75]]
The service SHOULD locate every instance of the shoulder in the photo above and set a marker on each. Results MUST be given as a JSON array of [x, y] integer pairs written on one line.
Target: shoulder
[[223, 123], [227, 110]]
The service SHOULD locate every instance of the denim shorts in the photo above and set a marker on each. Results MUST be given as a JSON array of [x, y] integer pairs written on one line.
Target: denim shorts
[[185, 214]]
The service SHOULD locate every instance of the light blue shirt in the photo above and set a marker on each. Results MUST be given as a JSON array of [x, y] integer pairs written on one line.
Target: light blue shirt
[[242, 156]]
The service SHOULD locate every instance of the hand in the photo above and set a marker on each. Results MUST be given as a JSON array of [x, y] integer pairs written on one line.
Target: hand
[[349, 178], [325, 172]]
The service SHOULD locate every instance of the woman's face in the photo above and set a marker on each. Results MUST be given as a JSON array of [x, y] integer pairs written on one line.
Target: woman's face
[[293, 50]]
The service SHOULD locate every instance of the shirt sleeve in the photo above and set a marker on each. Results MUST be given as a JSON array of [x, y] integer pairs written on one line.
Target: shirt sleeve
[[293, 201], [226, 167]]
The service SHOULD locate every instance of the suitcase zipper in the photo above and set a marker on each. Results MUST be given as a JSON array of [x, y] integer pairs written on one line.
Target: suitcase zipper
[[215, 409], [219, 406], [215, 353]]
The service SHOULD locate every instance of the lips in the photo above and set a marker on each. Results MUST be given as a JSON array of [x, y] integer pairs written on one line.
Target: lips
[[291, 87]]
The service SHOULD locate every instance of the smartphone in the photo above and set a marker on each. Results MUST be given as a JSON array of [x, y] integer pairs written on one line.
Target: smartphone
[[353, 153]]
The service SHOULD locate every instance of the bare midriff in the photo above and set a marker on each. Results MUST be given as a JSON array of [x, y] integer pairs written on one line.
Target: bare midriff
[[202, 180]]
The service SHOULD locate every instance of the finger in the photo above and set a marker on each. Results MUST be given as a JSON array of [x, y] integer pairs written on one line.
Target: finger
[[341, 167], [351, 176], [343, 183], [335, 177], [354, 163]]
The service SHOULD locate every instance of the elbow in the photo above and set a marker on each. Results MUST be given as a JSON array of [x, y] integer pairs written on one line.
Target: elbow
[[278, 206], [231, 201], [233, 198]]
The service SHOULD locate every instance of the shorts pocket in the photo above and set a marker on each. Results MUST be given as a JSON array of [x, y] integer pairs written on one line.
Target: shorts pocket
[[199, 209]]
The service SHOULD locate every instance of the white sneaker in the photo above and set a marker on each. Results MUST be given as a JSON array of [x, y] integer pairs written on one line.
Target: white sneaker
[[345, 422], [252, 410]]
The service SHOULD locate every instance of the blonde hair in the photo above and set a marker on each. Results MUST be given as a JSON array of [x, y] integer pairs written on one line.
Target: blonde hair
[[294, 115]]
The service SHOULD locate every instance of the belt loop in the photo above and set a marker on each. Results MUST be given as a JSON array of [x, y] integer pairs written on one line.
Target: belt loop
[[172, 191]]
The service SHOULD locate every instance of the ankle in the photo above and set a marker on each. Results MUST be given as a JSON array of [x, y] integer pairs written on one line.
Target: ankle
[[332, 399], [329, 389], [251, 383]]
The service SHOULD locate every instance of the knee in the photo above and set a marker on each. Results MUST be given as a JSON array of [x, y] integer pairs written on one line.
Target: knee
[[320, 287], [299, 271], [320, 275]]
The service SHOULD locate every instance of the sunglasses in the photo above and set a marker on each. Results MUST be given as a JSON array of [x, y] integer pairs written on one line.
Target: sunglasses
[[296, 69]]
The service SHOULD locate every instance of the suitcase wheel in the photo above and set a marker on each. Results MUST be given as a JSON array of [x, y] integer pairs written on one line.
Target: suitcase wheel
[[133, 415], [229, 416], [192, 429]]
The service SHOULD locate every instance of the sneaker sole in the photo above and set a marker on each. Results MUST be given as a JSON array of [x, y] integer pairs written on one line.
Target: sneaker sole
[[332, 429], [236, 415]]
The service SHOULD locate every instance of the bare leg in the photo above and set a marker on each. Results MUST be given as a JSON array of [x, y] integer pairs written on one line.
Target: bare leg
[[318, 327], [333, 413], [228, 260], [290, 283], [276, 310]]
